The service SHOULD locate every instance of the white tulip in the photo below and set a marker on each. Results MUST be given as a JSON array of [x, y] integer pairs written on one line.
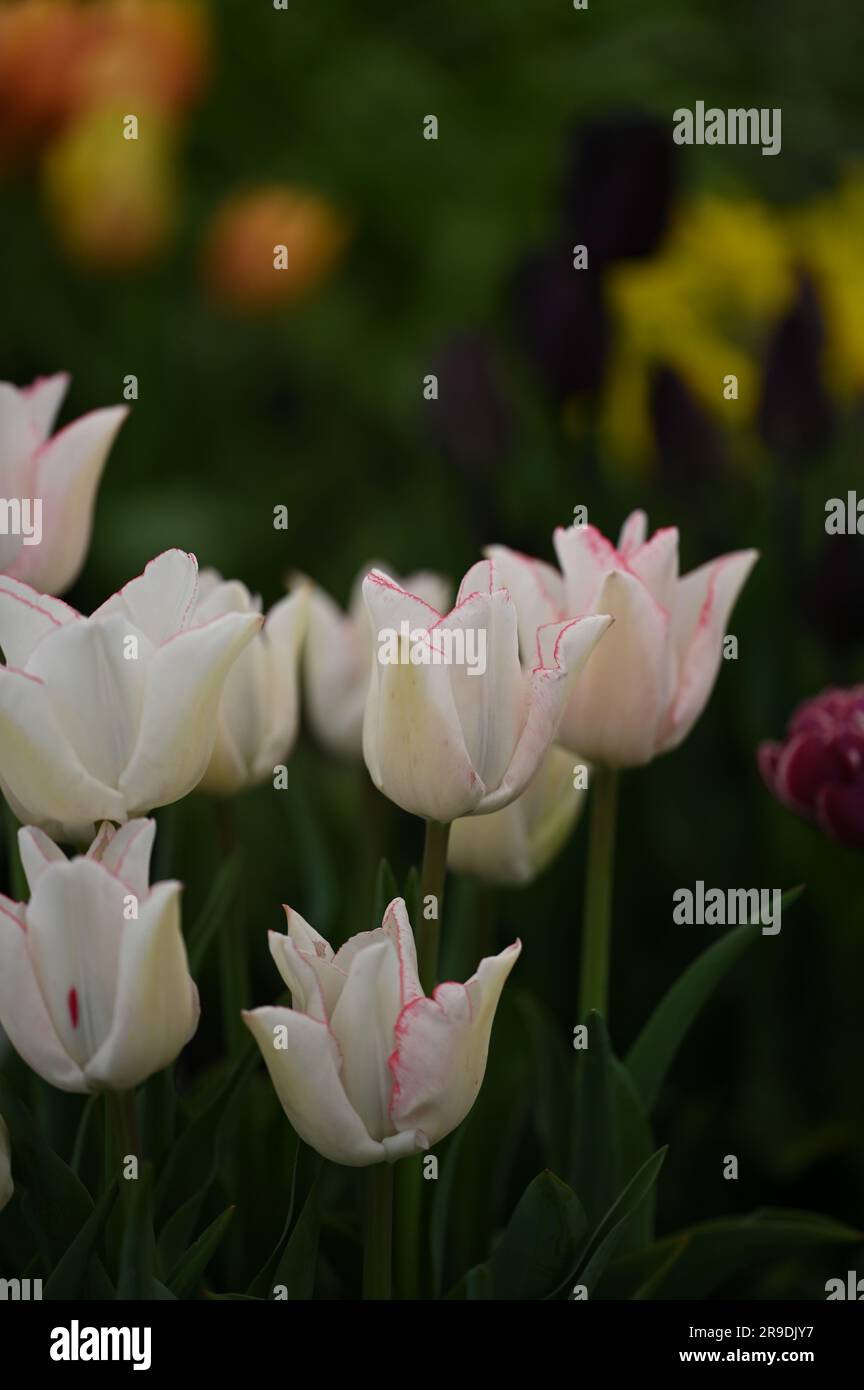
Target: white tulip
[[454, 726], [366, 1068], [259, 708], [104, 718], [95, 991], [338, 660], [54, 480]]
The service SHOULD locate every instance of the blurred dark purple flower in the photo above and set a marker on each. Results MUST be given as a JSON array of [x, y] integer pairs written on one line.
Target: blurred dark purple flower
[[818, 771], [471, 420], [689, 444], [619, 182], [795, 416], [562, 321]]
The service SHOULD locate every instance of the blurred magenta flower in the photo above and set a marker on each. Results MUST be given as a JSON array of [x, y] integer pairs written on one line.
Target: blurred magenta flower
[[103, 718], [650, 678], [60, 474], [818, 769], [367, 1068], [619, 183], [445, 737], [95, 991]]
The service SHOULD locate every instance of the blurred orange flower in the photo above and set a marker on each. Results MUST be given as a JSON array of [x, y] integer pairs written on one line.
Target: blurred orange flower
[[272, 246]]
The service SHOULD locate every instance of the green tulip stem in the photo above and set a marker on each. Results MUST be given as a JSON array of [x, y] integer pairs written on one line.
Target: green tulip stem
[[597, 917], [432, 886], [122, 1135], [378, 1232]]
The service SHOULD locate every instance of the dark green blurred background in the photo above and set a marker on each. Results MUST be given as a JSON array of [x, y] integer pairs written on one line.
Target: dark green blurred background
[[319, 406]]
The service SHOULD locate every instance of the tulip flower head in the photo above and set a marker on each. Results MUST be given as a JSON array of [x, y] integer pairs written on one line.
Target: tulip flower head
[[259, 708], [48, 484], [339, 656], [95, 991], [103, 718], [7, 1187], [445, 737], [652, 676], [366, 1068], [818, 770]]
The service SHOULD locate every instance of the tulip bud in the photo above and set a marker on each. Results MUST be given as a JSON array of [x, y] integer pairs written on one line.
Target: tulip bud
[[453, 726], [7, 1187], [818, 770], [95, 992], [562, 321], [651, 677], [339, 655], [619, 186], [271, 247], [103, 718], [54, 480], [513, 846], [366, 1068], [259, 708], [690, 449], [795, 415]]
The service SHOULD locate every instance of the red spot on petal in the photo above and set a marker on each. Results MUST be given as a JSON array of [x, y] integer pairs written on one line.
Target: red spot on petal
[[73, 1007]]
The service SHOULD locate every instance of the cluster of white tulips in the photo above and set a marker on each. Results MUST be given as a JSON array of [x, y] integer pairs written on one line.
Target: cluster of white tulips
[[178, 681]]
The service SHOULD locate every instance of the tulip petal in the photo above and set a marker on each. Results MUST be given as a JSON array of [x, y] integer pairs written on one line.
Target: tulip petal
[[337, 665], [75, 923], [42, 399], [488, 686], [281, 640], [67, 470], [617, 704], [656, 564], [441, 1048], [161, 600], [412, 738], [537, 590], [156, 1005], [563, 649], [633, 533], [184, 682], [26, 616], [299, 972], [96, 692], [37, 851], [704, 602], [586, 557], [363, 1024], [840, 810], [23, 1015], [305, 1075], [127, 855], [38, 765]]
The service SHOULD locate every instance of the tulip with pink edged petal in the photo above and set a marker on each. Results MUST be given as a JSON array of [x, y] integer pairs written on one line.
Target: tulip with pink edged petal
[[367, 1069], [444, 739], [106, 717], [61, 473], [653, 675], [95, 991], [259, 708], [339, 655], [818, 770]]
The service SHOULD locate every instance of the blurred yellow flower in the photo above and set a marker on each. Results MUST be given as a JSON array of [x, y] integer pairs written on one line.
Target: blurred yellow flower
[[702, 307], [272, 246], [112, 199]]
